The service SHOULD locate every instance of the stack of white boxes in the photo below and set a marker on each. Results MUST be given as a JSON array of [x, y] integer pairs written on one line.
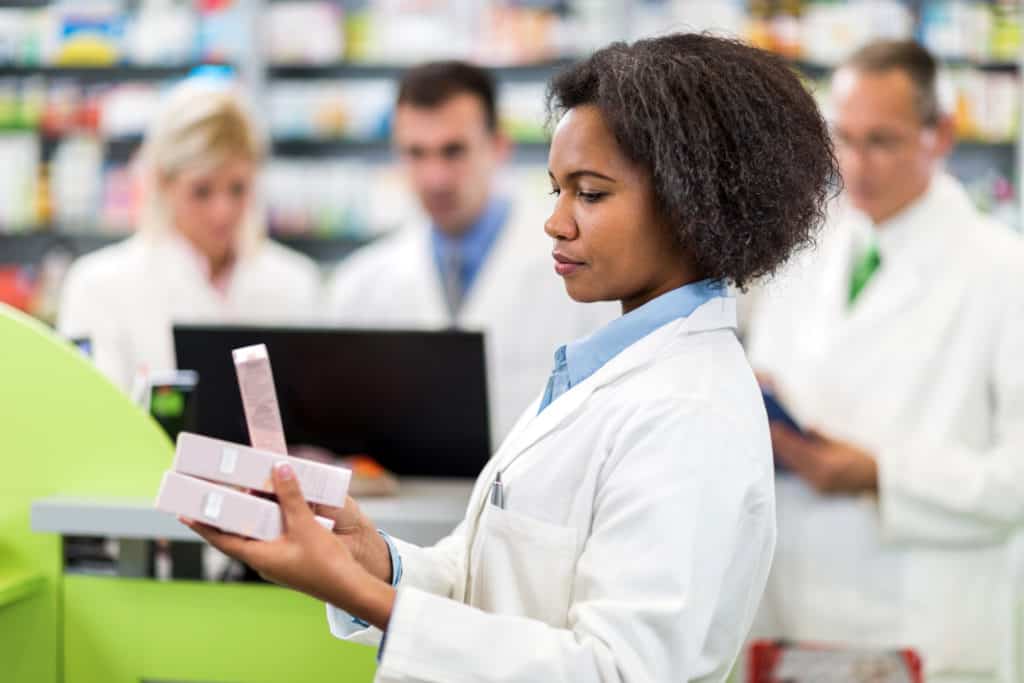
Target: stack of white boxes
[[211, 480]]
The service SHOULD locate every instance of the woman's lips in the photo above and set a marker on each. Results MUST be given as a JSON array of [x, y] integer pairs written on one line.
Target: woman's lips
[[566, 265]]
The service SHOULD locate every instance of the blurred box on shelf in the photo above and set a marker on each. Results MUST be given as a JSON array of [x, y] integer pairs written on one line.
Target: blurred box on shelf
[[972, 30], [308, 33], [521, 110], [101, 33], [987, 105], [354, 109], [345, 198], [19, 157], [86, 34]]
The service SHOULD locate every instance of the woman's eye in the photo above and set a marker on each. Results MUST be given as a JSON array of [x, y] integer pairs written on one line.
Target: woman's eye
[[590, 197], [555, 192]]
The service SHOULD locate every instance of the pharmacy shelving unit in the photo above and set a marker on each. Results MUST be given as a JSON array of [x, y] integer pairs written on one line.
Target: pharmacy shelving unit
[[970, 159]]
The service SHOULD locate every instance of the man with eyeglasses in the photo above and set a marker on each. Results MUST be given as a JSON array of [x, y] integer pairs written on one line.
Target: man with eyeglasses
[[898, 345]]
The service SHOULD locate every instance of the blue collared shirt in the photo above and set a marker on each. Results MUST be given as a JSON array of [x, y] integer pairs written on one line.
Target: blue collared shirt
[[474, 245], [580, 359]]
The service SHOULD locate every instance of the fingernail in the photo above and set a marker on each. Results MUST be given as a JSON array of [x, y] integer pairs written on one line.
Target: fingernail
[[285, 471]]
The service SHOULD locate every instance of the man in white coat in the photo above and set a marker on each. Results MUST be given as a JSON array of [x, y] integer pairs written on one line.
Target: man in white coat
[[900, 344], [478, 261]]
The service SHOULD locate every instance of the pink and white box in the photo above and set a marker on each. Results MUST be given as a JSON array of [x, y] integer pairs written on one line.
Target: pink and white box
[[252, 468], [259, 399], [220, 506]]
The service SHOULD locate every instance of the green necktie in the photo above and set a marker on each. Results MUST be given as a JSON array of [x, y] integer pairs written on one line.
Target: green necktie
[[863, 270]]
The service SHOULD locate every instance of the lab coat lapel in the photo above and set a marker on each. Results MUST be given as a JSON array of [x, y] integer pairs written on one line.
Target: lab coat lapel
[[903, 277], [423, 279], [496, 280], [189, 298], [893, 289], [715, 314]]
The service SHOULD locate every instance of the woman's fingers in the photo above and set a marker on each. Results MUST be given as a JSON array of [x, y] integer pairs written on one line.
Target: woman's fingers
[[235, 546], [294, 508]]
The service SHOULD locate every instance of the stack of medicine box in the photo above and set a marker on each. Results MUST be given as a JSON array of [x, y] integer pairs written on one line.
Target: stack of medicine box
[[209, 478]]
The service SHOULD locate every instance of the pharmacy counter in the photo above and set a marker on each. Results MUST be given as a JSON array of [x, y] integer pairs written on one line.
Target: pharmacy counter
[[424, 512], [119, 625]]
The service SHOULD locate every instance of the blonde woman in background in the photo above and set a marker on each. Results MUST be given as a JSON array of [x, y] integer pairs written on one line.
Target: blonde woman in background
[[199, 254]]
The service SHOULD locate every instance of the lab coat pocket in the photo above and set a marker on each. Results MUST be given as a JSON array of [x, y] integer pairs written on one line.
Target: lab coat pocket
[[524, 567]]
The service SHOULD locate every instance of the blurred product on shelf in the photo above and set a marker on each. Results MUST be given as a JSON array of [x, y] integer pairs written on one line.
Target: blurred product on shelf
[[323, 197], [521, 110], [19, 153], [35, 288], [223, 32], [76, 177], [972, 30], [993, 194], [988, 105], [831, 31], [352, 109], [300, 32], [825, 31], [399, 32], [108, 32], [490, 32], [361, 109]]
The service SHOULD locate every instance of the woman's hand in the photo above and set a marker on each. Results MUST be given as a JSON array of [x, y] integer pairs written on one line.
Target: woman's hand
[[360, 535], [309, 558]]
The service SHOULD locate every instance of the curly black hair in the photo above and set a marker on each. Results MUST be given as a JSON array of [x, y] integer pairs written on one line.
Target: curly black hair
[[740, 157]]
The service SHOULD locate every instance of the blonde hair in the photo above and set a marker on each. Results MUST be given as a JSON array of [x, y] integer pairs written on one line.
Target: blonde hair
[[200, 126]]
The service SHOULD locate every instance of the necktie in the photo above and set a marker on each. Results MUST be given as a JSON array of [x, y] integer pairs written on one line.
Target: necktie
[[863, 270], [558, 383], [453, 281]]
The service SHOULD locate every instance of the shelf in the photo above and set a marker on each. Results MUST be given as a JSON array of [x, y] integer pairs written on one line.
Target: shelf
[[381, 150], [119, 149], [1007, 67], [818, 70], [101, 74], [30, 247], [524, 72], [331, 147], [1009, 146]]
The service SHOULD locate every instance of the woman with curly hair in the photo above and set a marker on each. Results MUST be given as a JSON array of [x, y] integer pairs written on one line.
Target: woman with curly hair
[[624, 530]]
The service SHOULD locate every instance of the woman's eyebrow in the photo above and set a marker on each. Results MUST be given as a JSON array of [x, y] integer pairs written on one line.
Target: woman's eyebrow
[[584, 172]]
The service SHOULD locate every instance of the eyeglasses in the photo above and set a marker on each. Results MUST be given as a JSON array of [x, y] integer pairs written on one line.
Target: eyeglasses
[[880, 144]]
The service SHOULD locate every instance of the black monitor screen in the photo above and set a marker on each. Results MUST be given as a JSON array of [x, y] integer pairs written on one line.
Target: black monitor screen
[[414, 401]]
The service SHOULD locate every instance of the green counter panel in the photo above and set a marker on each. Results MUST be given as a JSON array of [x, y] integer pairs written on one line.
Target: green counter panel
[[127, 630]]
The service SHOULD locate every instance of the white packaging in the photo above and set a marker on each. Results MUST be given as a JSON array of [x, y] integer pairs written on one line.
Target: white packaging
[[220, 506], [259, 399], [251, 468]]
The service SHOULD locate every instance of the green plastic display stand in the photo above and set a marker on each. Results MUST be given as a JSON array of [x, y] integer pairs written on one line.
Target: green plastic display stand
[[66, 430]]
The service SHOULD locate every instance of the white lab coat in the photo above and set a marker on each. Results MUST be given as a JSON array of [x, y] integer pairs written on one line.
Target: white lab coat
[[636, 538], [126, 298], [926, 371], [517, 300]]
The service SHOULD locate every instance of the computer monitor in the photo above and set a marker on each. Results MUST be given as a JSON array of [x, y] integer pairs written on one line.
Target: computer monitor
[[414, 401]]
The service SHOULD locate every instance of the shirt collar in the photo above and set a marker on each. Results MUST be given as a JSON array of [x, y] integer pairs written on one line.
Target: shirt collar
[[903, 231], [475, 242], [586, 356]]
